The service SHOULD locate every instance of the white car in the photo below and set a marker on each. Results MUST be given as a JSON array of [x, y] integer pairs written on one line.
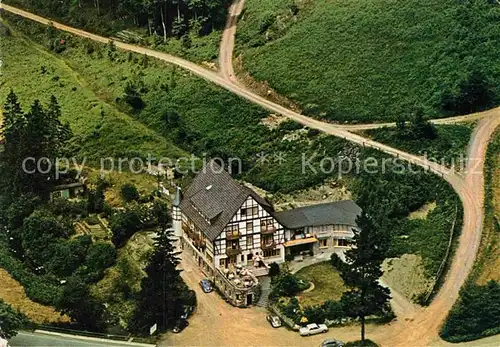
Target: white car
[[313, 329]]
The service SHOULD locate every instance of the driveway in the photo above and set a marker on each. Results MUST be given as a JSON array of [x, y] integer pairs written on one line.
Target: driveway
[[216, 323]]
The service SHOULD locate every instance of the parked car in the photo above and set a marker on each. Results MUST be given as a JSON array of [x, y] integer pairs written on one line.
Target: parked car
[[313, 329], [180, 326], [188, 310], [332, 343], [206, 286], [275, 321]]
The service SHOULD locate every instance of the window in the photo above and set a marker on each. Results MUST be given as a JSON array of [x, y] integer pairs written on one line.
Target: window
[[271, 253], [249, 241], [250, 211], [343, 243], [232, 259], [267, 239], [222, 262], [323, 243], [249, 227], [232, 230]]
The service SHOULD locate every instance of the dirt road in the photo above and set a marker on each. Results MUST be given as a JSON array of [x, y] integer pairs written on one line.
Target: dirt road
[[226, 70], [422, 329], [227, 43], [217, 78]]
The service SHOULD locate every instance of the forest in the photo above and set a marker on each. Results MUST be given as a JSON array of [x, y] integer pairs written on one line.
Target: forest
[[163, 18]]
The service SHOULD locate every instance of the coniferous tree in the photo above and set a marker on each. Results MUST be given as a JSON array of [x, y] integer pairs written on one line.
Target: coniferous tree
[[361, 274], [13, 133], [29, 137], [163, 292]]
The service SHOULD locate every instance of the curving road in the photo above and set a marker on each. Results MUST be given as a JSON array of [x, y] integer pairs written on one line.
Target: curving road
[[220, 78], [226, 70], [423, 326]]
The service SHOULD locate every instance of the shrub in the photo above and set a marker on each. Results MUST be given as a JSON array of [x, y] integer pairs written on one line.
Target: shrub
[[42, 289], [336, 262], [287, 284], [11, 319], [129, 192], [315, 314], [475, 315], [124, 224], [274, 269]]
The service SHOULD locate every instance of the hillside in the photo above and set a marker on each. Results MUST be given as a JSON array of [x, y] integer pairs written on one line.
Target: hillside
[[188, 28], [373, 60], [99, 129]]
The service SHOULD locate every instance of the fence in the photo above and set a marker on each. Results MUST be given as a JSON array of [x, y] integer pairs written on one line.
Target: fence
[[442, 266], [125, 337]]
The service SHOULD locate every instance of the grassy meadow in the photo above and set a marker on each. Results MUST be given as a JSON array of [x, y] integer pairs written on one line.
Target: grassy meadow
[[372, 60], [99, 129]]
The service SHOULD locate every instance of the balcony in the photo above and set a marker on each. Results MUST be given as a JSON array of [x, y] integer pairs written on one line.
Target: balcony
[[268, 245], [232, 236], [267, 230], [233, 251]]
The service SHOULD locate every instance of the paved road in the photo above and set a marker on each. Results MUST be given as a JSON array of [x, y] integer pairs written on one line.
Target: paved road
[[423, 327], [28, 339]]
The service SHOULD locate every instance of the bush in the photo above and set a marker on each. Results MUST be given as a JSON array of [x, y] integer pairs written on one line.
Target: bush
[[287, 284], [475, 315], [336, 262], [129, 192], [124, 224], [42, 289], [274, 269], [11, 320], [315, 314]]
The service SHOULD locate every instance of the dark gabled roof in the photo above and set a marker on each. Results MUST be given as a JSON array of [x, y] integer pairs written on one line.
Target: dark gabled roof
[[340, 212], [215, 196]]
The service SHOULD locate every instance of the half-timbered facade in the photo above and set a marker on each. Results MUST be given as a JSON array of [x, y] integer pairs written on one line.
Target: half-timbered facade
[[226, 226]]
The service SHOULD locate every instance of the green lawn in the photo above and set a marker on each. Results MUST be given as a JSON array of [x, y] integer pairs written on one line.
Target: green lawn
[[99, 128], [371, 60], [328, 284]]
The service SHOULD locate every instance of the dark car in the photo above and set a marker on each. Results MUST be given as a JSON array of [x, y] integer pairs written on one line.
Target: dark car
[[332, 343], [188, 310], [206, 286], [180, 326]]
